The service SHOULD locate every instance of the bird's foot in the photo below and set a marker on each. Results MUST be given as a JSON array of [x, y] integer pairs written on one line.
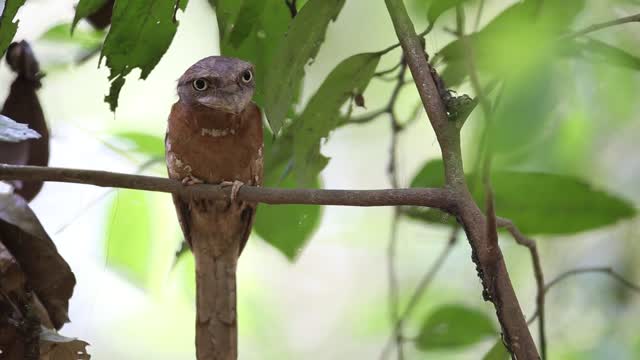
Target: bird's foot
[[235, 187], [191, 180]]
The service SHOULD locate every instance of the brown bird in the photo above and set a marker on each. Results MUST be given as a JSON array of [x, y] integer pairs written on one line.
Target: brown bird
[[214, 136]]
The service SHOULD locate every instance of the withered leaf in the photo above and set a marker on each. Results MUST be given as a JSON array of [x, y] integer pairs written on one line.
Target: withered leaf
[[54, 346], [47, 273], [22, 105]]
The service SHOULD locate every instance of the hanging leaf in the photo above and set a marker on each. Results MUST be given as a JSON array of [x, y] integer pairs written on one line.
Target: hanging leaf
[[86, 8], [286, 227], [8, 28], [296, 49], [322, 113], [537, 203], [140, 34], [23, 106], [254, 41], [454, 326], [86, 39]]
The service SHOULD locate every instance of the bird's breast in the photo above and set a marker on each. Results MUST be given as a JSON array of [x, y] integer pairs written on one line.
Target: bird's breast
[[213, 146]]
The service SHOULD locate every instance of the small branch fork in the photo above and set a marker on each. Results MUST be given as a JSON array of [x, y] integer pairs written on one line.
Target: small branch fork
[[486, 253]]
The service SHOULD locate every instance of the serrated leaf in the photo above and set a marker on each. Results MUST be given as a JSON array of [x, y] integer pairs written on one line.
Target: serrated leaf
[[497, 352], [296, 49], [539, 203], [12, 131], [140, 34], [260, 43], [322, 113], [286, 227], [60, 33], [8, 28], [142, 143], [84, 9], [454, 326], [128, 237]]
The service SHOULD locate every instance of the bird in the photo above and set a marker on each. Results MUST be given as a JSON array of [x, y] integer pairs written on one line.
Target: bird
[[214, 136]]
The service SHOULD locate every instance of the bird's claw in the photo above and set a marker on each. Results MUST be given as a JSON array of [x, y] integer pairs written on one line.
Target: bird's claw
[[235, 187], [191, 180]]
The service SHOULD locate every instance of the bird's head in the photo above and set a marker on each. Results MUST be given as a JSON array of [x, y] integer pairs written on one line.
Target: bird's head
[[217, 82]]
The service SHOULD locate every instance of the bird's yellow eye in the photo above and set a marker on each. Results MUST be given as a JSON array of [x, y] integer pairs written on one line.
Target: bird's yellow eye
[[200, 84], [247, 76]]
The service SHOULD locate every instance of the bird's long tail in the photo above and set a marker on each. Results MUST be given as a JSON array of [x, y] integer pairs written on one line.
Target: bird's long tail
[[216, 321]]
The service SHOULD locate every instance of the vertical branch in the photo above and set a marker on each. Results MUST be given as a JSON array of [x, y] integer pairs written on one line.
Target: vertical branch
[[490, 264], [423, 284], [394, 290]]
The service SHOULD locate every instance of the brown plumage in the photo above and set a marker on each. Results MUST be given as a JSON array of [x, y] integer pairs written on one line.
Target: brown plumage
[[214, 135]]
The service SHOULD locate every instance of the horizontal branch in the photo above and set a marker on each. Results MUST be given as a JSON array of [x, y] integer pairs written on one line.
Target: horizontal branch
[[430, 197]]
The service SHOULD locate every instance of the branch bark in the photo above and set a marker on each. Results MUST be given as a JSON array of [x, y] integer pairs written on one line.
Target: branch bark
[[442, 199], [487, 256]]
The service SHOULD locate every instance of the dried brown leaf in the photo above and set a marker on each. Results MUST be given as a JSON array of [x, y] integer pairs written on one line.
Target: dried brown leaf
[[47, 273]]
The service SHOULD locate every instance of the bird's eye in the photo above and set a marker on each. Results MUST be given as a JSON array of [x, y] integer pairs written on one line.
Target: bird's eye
[[200, 84], [247, 75]]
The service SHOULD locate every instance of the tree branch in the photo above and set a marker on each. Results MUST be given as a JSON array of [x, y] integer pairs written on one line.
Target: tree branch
[[529, 243], [430, 197], [488, 258], [600, 26]]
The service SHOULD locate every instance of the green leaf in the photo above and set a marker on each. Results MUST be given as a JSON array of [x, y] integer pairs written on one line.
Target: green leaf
[[256, 41], [534, 91], [322, 113], [438, 7], [600, 52], [8, 28], [524, 33], [299, 46], [285, 227], [12, 131], [128, 239], [538, 203], [61, 34], [84, 9], [497, 352], [146, 144], [141, 32], [454, 326]]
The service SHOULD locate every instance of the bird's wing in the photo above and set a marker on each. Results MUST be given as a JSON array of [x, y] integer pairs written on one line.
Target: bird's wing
[[256, 171]]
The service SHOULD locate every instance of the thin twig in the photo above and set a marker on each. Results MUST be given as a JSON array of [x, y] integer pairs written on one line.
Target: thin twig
[[606, 270], [600, 26], [144, 166], [440, 198], [476, 24], [394, 291], [420, 290], [538, 274], [603, 270]]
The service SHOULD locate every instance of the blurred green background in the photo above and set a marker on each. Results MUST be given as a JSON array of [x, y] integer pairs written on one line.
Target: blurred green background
[[318, 289]]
